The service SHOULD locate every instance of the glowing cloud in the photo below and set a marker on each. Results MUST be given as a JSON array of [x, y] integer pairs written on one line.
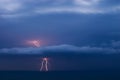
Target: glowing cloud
[[35, 43]]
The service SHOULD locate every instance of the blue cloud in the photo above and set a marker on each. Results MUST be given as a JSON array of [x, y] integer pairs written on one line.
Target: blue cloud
[[16, 8], [59, 50]]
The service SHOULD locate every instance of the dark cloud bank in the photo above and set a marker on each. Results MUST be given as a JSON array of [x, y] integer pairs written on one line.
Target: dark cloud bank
[[59, 50]]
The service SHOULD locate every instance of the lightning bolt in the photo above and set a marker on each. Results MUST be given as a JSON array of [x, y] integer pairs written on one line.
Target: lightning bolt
[[44, 64]]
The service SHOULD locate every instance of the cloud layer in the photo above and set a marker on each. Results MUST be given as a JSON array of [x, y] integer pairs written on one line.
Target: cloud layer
[[60, 50], [13, 8]]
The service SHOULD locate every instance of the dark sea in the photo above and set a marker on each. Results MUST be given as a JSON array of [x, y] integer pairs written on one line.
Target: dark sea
[[82, 67], [61, 75]]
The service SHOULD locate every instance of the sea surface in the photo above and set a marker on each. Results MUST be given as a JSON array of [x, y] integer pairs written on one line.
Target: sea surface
[[61, 75]]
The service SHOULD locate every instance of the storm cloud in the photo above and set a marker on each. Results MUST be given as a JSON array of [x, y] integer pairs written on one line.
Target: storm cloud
[[17, 8], [60, 50], [96, 29]]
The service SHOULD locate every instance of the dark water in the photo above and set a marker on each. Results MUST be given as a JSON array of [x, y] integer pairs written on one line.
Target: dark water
[[61, 75], [82, 67]]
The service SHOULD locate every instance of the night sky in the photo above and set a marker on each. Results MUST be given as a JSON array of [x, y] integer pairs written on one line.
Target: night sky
[[64, 28]]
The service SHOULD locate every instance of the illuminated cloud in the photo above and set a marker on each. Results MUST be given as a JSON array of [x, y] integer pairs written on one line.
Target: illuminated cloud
[[35, 43]]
